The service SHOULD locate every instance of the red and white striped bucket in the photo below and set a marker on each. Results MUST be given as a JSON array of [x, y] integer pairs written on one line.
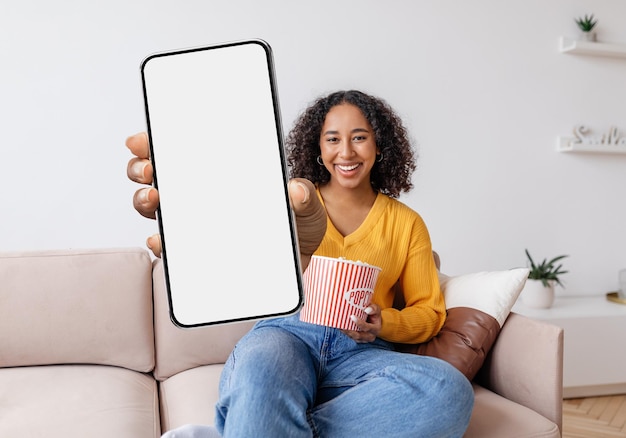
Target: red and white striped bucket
[[335, 289]]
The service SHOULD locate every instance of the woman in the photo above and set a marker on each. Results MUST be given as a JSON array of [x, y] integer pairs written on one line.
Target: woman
[[287, 378]]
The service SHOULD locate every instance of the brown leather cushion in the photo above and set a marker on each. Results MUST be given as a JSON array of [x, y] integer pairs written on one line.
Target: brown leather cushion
[[464, 340]]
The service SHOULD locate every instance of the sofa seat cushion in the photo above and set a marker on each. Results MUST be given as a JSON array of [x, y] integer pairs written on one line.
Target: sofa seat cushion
[[189, 397], [496, 417], [78, 401]]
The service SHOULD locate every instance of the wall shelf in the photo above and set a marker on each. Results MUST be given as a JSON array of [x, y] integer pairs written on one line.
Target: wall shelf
[[591, 48], [566, 144], [578, 47]]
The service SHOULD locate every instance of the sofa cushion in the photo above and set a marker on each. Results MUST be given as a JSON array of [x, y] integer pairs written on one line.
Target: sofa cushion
[[495, 417], [189, 397], [478, 305], [77, 306], [493, 293], [78, 401], [181, 349], [464, 340]]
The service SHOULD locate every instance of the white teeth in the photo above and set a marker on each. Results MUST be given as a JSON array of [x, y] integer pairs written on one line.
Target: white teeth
[[346, 168]]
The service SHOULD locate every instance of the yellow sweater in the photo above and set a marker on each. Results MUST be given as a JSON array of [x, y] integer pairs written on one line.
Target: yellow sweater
[[395, 238]]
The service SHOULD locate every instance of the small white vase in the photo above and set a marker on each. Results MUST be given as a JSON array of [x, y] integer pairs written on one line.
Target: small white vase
[[588, 36], [536, 295]]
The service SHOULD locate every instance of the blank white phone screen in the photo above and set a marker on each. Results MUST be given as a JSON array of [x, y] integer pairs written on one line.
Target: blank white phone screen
[[230, 251]]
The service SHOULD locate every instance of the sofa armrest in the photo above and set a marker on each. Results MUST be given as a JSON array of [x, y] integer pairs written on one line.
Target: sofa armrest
[[526, 366]]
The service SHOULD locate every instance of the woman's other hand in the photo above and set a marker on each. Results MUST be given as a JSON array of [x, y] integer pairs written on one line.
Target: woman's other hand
[[370, 328]]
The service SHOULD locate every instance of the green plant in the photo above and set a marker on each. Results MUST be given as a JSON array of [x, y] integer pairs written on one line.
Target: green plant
[[546, 270], [586, 23]]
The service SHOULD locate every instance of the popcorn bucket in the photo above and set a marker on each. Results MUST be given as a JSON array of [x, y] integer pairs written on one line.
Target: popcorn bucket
[[335, 289]]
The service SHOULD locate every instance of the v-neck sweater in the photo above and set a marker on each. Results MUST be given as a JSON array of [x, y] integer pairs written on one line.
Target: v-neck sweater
[[394, 237]]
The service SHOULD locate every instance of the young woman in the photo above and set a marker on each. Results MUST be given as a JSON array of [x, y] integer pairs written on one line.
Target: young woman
[[287, 378]]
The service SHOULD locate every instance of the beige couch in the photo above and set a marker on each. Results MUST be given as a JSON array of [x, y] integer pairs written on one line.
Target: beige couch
[[87, 350]]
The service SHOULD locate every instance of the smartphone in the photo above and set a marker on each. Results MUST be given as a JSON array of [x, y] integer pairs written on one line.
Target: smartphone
[[230, 251]]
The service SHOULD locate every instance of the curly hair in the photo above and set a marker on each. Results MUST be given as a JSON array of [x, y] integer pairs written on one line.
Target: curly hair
[[390, 176]]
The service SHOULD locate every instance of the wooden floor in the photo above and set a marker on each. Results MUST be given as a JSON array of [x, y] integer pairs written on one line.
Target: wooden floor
[[595, 417]]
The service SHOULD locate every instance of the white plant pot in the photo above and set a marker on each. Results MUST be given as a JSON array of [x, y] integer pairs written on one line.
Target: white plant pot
[[536, 295], [588, 36]]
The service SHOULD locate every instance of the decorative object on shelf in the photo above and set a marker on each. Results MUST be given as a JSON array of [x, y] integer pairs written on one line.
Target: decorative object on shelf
[[586, 25], [610, 138], [538, 291], [611, 141], [614, 296]]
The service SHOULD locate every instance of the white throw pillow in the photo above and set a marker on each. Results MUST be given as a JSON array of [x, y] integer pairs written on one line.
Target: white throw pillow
[[494, 292]]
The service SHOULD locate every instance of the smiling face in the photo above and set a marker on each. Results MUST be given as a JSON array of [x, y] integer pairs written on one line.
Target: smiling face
[[348, 147]]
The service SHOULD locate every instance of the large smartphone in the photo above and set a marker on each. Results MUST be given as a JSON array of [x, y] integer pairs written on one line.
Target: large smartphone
[[230, 251]]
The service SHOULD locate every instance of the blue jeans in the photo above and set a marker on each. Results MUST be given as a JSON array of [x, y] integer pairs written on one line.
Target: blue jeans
[[287, 378]]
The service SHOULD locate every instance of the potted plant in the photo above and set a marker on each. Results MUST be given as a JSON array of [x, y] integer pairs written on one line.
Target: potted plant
[[586, 25], [538, 291]]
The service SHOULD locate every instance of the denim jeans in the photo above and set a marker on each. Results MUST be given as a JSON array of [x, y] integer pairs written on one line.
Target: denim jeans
[[286, 378]]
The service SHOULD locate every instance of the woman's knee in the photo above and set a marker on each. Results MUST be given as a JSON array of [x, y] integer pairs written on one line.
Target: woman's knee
[[266, 356], [268, 383], [438, 382], [451, 391], [437, 391], [269, 348]]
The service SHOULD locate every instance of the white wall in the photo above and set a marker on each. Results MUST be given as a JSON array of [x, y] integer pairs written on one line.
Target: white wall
[[481, 84]]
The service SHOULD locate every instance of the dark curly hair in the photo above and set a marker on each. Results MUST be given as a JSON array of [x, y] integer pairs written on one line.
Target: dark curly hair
[[391, 176]]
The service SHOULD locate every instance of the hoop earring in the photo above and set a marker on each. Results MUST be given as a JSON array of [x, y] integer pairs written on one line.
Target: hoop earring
[[380, 158], [319, 160]]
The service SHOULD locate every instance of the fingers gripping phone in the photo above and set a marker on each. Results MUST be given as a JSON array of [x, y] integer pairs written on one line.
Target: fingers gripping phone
[[230, 251]]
